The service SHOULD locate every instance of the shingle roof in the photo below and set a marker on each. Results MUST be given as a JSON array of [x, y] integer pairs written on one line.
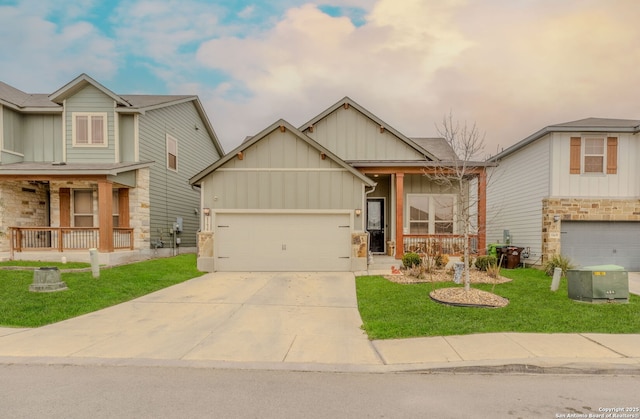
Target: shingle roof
[[439, 147], [585, 125], [600, 122], [23, 100]]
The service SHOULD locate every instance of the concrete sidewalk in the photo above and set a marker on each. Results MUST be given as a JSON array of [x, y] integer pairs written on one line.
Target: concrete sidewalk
[[296, 321]]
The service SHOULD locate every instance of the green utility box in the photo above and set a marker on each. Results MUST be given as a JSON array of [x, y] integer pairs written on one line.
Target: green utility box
[[599, 284]]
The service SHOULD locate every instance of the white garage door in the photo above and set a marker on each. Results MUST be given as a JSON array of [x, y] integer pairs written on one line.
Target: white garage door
[[589, 243], [282, 242]]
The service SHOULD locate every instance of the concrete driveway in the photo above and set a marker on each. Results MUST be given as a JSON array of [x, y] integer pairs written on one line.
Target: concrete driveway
[[243, 317]]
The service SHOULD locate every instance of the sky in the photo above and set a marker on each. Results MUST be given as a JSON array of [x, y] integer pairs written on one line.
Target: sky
[[511, 67]]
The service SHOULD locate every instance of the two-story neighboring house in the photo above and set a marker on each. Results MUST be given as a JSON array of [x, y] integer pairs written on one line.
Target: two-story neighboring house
[[321, 196], [84, 167], [570, 189]]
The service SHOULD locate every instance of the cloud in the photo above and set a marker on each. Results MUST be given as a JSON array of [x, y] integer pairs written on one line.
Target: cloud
[[310, 59], [511, 67], [42, 55]]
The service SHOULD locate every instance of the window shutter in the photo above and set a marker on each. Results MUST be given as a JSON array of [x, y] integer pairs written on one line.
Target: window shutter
[[574, 157], [65, 207], [612, 155]]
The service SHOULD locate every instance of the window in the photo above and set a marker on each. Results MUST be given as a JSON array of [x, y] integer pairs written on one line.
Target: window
[[115, 205], [593, 155], [172, 153], [430, 214], [89, 129], [82, 208]]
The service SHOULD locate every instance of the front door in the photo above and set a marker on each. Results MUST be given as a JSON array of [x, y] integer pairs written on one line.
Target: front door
[[375, 224]]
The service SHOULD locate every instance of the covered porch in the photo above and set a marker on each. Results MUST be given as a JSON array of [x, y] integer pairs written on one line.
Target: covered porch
[[410, 212], [59, 213]]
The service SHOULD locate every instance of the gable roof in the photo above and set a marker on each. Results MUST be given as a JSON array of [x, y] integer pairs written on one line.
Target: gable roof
[[603, 125], [195, 180], [348, 101], [79, 83], [26, 102]]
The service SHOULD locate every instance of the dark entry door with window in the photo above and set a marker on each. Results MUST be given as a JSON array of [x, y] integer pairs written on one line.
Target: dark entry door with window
[[375, 224]]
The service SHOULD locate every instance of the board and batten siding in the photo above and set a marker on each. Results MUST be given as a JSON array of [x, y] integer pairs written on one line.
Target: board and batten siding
[[126, 138], [282, 171], [351, 135], [170, 194], [515, 190], [32, 137], [90, 99], [624, 184]]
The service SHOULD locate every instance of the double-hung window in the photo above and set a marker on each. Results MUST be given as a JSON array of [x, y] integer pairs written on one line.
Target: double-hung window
[[430, 214], [89, 129], [172, 153], [594, 155], [83, 208]]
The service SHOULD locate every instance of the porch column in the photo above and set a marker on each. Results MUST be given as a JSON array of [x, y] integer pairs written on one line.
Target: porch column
[[399, 212], [105, 216], [482, 212]]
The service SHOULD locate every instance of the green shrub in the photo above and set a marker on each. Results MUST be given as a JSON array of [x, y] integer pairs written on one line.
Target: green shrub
[[483, 262], [558, 261], [441, 260], [409, 260], [469, 262]]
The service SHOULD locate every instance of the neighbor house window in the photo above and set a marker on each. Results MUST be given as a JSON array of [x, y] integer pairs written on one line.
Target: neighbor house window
[[593, 155], [430, 214], [89, 129], [82, 208], [172, 153], [115, 205]]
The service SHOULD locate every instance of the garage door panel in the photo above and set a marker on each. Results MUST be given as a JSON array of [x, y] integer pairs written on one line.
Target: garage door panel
[[283, 242], [597, 243]]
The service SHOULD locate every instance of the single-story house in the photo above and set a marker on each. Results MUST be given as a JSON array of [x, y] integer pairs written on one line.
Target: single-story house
[[322, 196]]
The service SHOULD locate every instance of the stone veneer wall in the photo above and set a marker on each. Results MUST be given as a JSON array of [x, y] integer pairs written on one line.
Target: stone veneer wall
[[140, 210], [359, 251], [22, 204], [575, 209]]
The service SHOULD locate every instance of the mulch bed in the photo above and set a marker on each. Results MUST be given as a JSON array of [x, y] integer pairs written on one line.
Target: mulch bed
[[458, 296]]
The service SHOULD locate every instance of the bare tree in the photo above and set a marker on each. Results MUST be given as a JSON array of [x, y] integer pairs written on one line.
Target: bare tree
[[467, 143]]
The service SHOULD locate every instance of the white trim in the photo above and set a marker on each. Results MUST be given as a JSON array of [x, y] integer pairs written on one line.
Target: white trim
[[64, 130], [583, 153], [431, 221], [166, 154], [90, 144], [136, 137], [116, 135]]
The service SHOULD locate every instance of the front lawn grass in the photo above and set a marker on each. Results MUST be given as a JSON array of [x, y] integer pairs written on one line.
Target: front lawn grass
[[21, 308], [390, 310]]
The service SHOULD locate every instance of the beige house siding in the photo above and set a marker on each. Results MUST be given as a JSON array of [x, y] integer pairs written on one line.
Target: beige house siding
[[282, 172], [351, 135]]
